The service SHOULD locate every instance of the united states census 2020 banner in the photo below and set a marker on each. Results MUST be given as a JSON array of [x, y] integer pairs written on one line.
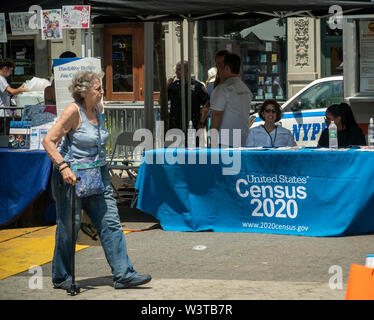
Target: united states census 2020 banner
[[305, 192], [297, 192], [276, 196]]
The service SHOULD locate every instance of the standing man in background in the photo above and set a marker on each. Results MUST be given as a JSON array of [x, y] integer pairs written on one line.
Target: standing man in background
[[218, 62], [198, 93], [230, 102]]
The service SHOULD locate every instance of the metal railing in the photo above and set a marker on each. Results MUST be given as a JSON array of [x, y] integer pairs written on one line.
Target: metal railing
[[121, 117], [118, 118]]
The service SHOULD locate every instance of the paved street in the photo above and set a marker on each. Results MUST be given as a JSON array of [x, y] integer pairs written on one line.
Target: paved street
[[210, 265]]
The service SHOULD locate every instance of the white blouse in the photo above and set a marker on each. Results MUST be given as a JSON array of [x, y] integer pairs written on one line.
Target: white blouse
[[279, 137]]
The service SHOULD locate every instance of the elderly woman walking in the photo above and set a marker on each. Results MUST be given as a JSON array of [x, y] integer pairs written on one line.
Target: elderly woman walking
[[83, 135]]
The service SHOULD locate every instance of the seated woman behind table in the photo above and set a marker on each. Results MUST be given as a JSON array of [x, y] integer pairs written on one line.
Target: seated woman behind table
[[349, 133], [269, 134]]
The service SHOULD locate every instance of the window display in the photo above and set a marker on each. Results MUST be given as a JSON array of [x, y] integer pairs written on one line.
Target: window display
[[22, 53], [122, 62], [262, 47]]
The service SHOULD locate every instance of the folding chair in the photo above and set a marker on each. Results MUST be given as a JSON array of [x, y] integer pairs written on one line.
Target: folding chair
[[123, 175]]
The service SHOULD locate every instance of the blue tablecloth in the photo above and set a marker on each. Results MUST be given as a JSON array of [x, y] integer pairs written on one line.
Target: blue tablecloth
[[24, 174], [305, 192]]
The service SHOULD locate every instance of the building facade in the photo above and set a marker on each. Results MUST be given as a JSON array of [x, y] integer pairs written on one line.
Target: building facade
[[279, 57]]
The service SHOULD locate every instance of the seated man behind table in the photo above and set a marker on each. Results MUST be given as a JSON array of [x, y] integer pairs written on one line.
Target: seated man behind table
[[269, 134], [349, 133], [230, 102], [199, 98]]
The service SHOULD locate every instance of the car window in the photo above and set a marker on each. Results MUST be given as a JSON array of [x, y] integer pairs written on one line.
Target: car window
[[321, 95]]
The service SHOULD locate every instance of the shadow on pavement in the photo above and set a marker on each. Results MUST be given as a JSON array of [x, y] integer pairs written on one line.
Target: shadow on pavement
[[132, 218]]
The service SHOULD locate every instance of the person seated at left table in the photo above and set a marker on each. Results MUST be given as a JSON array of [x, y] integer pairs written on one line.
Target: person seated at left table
[[269, 134], [6, 91]]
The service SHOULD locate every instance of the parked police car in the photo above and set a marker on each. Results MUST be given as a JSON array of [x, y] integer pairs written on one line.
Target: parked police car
[[304, 113]]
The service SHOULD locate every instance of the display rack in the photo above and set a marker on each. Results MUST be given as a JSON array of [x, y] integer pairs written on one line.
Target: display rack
[[262, 71]]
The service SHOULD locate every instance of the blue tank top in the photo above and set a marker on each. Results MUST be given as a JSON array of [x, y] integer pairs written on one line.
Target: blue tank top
[[84, 141]]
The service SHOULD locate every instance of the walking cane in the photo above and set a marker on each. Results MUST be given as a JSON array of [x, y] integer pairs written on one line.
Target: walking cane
[[74, 289]]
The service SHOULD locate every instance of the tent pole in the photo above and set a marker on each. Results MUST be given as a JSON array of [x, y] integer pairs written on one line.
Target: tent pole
[[190, 67], [183, 94], [148, 75], [83, 43], [89, 45]]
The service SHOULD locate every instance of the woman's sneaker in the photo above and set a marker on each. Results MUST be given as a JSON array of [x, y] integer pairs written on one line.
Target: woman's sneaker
[[137, 280]]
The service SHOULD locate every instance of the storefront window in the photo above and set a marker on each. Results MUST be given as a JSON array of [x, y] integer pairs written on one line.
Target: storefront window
[[330, 32], [122, 63], [332, 50], [23, 54], [262, 47]]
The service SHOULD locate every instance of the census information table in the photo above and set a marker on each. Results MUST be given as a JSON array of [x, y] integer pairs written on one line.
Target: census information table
[[309, 192]]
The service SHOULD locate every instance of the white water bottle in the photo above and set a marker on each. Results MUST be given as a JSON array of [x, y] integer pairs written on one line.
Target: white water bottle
[[371, 133], [333, 136], [202, 134], [191, 136], [369, 263]]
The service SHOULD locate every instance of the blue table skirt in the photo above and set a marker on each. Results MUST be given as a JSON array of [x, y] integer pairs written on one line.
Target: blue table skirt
[[24, 174], [305, 192]]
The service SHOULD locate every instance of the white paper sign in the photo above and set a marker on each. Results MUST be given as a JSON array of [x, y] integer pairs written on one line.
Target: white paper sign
[[19, 23], [64, 74], [37, 135], [367, 56], [76, 17]]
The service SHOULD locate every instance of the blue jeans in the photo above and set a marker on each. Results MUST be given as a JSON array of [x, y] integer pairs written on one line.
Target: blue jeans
[[103, 212]]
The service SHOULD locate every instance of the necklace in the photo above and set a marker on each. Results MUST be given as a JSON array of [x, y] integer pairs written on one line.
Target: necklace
[[275, 136]]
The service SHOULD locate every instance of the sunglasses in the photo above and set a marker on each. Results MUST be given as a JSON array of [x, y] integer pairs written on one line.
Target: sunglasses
[[270, 110]]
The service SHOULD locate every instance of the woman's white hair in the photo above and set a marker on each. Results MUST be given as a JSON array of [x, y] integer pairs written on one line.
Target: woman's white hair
[[82, 83]]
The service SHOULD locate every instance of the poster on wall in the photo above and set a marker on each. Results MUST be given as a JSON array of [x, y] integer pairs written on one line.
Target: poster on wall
[[19, 23], [51, 24], [64, 70], [367, 56], [3, 37], [76, 17]]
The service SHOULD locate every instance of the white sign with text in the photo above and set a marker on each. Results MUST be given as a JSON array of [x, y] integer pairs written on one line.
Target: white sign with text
[[64, 73]]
